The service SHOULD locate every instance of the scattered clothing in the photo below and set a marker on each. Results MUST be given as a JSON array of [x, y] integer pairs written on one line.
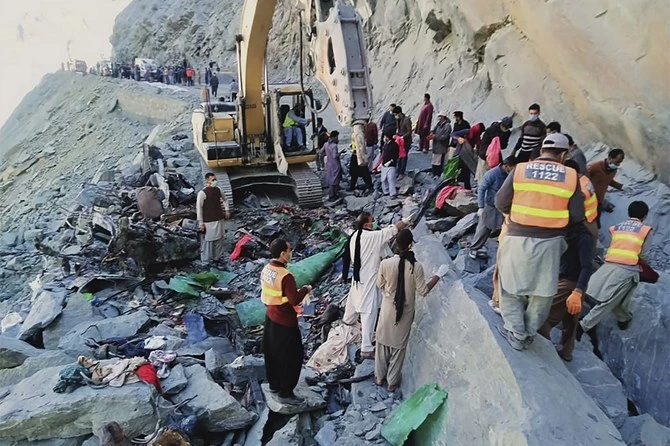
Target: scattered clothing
[[116, 373], [335, 352], [237, 252], [447, 193]]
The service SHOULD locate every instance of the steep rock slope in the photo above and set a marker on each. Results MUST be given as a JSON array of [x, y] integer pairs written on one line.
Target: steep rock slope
[[597, 66]]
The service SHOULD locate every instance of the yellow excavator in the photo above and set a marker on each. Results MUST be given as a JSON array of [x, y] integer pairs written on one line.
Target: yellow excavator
[[244, 142]]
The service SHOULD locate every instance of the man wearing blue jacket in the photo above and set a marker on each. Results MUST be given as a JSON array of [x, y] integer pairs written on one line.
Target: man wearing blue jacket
[[490, 219]]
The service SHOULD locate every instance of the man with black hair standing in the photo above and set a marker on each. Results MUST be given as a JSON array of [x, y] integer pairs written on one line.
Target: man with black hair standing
[[553, 127], [388, 123], [282, 342], [612, 286], [533, 132], [364, 252], [424, 123], [459, 122], [211, 209]]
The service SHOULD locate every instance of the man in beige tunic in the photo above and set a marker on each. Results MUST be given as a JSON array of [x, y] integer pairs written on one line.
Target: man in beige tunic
[[211, 209], [400, 278]]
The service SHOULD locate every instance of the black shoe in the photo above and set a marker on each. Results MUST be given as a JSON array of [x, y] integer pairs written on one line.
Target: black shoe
[[623, 325], [580, 332]]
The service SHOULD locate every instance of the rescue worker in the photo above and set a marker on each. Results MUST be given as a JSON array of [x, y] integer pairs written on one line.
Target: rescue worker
[[365, 250], [292, 124], [590, 204], [211, 209], [542, 198], [575, 271], [282, 342], [612, 286]]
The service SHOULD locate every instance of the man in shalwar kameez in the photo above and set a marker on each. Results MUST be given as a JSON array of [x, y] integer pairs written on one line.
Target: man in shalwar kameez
[[364, 251]]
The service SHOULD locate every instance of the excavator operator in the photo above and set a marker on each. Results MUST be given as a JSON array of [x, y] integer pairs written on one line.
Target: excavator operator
[[294, 126]]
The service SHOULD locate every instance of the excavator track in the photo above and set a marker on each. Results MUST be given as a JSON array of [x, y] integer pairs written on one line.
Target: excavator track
[[307, 186], [223, 181]]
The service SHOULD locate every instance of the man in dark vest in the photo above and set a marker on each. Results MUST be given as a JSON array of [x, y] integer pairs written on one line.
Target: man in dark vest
[[211, 208]]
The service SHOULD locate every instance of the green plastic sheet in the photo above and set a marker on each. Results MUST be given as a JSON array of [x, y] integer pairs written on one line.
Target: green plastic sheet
[[412, 413], [193, 284], [308, 271], [251, 312]]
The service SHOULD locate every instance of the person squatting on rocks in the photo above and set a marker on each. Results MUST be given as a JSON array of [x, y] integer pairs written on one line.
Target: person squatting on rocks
[[292, 124], [333, 166], [490, 219], [424, 123], [400, 279], [365, 250], [542, 198], [211, 209], [601, 174], [499, 129], [575, 271], [533, 132], [282, 341], [612, 286], [441, 137], [404, 129], [389, 162]]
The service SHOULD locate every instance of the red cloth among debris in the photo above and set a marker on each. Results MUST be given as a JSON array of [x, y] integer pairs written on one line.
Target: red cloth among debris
[[237, 252], [401, 146], [147, 373], [447, 193], [647, 273]]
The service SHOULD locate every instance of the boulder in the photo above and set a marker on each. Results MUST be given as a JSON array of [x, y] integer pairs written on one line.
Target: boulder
[[33, 411], [313, 400], [255, 434], [44, 310], [405, 185], [287, 435], [464, 225], [482, 281], [218, 357], [11, 324], [127, 325], [366, 393], [9, 239], [643, 430], [77, 311], [327, 435], [640, 356], [176, 380], [524, 398], [465, 201], [33, 365], [442, 224], [217, 409], [14, 352], [598, 382], [244, 368], [358, 204], [466, 264]]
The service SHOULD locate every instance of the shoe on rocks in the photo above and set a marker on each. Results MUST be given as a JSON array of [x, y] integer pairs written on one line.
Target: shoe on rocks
[[473, 255], [494, 307], [482, 253], [516, 343], [292, 400]]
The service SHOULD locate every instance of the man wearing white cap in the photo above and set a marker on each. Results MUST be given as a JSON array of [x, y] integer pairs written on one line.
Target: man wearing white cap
[[542, 197], [441, 135]]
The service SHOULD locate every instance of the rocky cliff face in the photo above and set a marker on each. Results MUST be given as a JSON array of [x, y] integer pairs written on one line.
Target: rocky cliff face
[[598, 67]]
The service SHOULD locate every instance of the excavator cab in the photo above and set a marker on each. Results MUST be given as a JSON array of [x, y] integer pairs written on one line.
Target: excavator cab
[[287, 97]]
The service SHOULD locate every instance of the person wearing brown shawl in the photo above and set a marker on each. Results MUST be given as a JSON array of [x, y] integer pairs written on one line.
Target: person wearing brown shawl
[[400, 278]]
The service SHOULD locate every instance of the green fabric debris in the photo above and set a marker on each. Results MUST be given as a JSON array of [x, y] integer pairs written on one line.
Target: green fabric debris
[[308, 271], [88, 296], [412, 413], [251, 312], [193, 284], [451, 168]]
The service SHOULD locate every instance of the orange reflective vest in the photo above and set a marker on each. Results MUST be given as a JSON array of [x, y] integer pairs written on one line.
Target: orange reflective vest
[[271, 279], [271, 289], [590, 199], [542, 191], [627, 240]]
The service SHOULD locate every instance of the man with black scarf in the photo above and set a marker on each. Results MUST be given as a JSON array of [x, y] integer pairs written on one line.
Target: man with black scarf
[[400, 279], [365, 249]]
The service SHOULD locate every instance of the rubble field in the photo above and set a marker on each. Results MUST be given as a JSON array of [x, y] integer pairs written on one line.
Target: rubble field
[[107, 315]]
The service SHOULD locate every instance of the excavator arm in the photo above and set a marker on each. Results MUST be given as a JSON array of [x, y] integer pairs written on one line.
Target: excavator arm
[[337, 55]]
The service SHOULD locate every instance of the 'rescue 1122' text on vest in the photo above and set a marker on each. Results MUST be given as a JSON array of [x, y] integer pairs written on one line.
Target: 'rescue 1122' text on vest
[[542, 191], [627, 240]]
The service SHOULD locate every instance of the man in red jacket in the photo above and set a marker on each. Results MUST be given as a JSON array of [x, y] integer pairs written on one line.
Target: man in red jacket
[[423, 125], [282, 342]]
